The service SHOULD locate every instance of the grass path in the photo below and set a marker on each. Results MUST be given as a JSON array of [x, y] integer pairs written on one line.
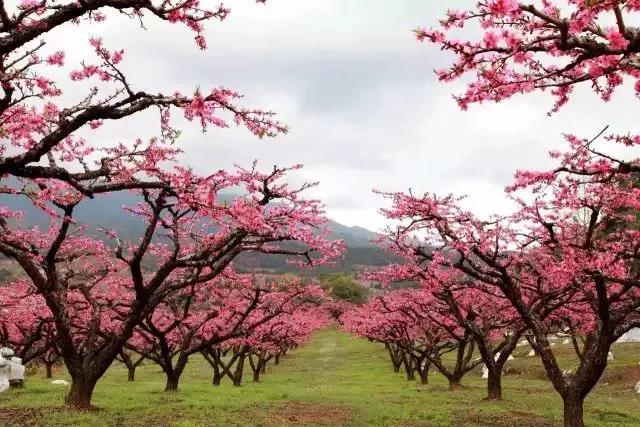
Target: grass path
[[333, 380]]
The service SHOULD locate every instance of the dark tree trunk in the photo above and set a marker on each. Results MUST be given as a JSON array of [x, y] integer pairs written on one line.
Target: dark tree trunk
[[423, 370], [132, 374], [276, 359], [237, 374], [81, 391], [173, 379], [573, 411], [454, 382], [256, 367], [49, 368], [408, 367], [494, 384], [175, 372], [217, 377]]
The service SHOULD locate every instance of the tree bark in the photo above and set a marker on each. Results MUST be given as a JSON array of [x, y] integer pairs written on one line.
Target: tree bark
[[276, 359], [173, 380], [573, 411], [132, 374], [423, 371], [454, 382], [81, 391], [216, 378], [494, 384], [49, 368], [237, 375]]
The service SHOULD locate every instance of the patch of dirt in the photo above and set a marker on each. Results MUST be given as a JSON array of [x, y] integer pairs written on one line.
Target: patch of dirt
[[13, 417], [504, 419], [309, 413], [624, 377]]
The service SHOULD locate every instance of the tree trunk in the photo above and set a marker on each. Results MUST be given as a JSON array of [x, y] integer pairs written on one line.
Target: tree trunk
[[573, 411], [423, 371], [408, 367], [276, 359], [132, 374], [454, 382], [81, 391], [172, 382], [494, 384], [48, 367], [237, 375], [217, 377]]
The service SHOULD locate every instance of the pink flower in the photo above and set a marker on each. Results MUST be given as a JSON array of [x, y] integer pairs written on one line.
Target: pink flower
[[617, 40]]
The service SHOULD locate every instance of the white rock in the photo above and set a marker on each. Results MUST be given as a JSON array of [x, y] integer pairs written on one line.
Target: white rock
[[510, 358], [637, 387], [59, 382], [610, 356], [531, 353]]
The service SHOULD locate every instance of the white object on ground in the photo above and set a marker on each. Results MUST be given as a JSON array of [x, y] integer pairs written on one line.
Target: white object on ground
[[510, 358], [609, 356], [4, 378], [6, 352], [532, 353], [15, 369], [637, 387], [566, 341], [59, 382], [485, 372]]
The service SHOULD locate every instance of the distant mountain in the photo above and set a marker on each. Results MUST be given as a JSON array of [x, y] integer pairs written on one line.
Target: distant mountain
[[106, 212], [353, 237]]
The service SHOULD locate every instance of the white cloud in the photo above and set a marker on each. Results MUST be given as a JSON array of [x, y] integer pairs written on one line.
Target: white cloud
[[359, 94]]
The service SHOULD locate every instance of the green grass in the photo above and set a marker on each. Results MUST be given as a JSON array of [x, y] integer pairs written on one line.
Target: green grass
[[333, 380]]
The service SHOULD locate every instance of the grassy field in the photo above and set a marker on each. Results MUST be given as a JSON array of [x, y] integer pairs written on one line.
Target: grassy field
[[333, 380]]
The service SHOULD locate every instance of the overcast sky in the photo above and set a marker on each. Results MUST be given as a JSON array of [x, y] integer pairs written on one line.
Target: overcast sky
[[360, 97]]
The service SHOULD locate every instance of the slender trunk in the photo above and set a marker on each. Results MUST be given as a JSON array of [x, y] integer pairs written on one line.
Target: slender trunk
[[573, 411], [256, 367], [132, 374], [49, 368], [81, 391], [237, 375], [494, 384], [217, 377], [263, 366], [409, 370], [276, 359], [423, 371]]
